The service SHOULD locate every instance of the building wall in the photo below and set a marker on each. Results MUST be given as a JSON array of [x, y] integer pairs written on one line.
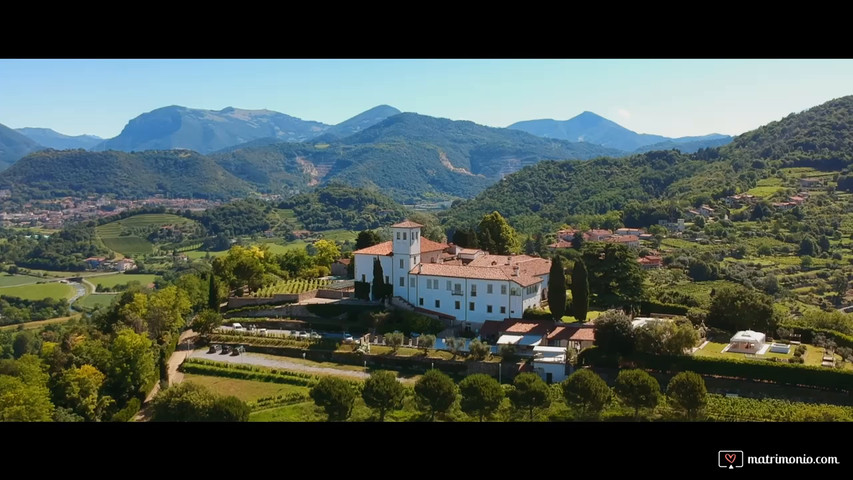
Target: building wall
[[364, 266], [557, 371]]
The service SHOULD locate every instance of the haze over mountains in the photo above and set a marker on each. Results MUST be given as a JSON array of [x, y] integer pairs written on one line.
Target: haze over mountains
[[14, 145], [49, 138], [592, 128]]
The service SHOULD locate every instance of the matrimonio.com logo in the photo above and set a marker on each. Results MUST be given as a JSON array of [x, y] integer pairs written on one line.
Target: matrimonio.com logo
[[730, 459]]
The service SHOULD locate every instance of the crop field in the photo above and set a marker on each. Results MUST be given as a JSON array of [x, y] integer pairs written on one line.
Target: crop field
[[291, 286], [123, 237], [123, 278], [7, 280], [95, 300], [39, 291]]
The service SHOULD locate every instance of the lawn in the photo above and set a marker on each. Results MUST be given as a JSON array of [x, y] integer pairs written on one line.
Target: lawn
[[813, 355], [764, 192], [124, 278], [197, 254], [40, 291], [95, 300], [246, 390], [7, 280]]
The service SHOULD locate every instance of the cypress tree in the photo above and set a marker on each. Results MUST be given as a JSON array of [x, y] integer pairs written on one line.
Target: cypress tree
[[557, 289], [580, 291], [378, 280], [213, 294]]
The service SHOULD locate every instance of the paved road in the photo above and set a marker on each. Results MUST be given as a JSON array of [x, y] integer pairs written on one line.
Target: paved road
[[265, 361]]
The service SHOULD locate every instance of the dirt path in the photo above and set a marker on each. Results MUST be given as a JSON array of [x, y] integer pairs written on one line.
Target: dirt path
[[264, 361], [181, 352]]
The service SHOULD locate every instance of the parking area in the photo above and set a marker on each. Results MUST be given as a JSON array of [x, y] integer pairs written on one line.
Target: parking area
[[298, 334]]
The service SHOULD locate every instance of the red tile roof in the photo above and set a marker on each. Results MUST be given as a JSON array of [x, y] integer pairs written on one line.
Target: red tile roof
[[385, 248], [345, 261], [407, 224], [573, 332], [478, 273], [528, 328], [561, 244]]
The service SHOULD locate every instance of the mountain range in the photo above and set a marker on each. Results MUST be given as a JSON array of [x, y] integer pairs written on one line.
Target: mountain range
[[592, 128], [651, 185], [14, 145], [57, 141]]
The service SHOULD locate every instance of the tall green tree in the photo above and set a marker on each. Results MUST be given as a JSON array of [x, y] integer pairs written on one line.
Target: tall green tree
[[529, 392], [557, 289], [335, 396], [615, 276], [132, 366], [501, 235], [382, 392], [366, 238], [687, 391], [637, 389], [24, 396], [587, 391], [481, 395], [190, 402], [79, 389], [213, 297], [379, 289], [580, 291], [327, 252], [435, 392], [808, 246], [740, 308], [206, 322], [614, 333]]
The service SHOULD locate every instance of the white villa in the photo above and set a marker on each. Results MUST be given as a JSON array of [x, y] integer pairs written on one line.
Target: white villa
[[467, 285]]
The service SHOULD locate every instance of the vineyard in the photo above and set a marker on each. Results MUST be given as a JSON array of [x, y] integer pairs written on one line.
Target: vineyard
[[291, 286], [722, 408]]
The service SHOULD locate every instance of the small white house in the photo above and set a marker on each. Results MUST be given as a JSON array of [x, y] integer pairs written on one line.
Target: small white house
[[747, 341], [550, 363]]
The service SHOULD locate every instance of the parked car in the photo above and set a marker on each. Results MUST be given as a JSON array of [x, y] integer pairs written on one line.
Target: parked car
[[348, 338], [238, 326], [314, 335], [303, 335], [262, 331]]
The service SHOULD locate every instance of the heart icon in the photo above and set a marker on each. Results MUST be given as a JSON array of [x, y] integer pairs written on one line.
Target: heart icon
[[731, 457]]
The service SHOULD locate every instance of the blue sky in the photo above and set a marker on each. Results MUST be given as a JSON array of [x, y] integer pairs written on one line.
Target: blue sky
[[666, 97]]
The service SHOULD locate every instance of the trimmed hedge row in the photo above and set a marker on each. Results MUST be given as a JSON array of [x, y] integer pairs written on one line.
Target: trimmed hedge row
[[651, 306], [225, 371], [808, 333], [785, 373], [279, 400]]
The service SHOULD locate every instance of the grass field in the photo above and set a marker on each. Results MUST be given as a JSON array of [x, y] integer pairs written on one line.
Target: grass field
[[131, 245], [701, 291], [38, 323], [813, 355], [196, 254], [92, 301], [764, 192], [123, 278], [246, 390], [7, 280], [40, 291]]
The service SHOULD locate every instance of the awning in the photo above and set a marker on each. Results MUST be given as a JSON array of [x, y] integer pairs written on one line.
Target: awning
[[509, 339]]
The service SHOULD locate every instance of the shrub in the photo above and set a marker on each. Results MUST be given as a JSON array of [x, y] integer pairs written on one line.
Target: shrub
[[127, 413], [800, 350]]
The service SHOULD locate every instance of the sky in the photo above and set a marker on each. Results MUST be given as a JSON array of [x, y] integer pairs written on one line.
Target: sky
[[665, 97]]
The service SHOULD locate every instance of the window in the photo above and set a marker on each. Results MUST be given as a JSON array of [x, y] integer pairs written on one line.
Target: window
[[503, 289], [411, 281], [489, 289], [387, 279], [404, 235], [421, 301], [488, 309], [398, 235], [515, 292], [471, 306], [457, 305], [401, 263], [473, 289], [402, 281], [449, 285], [503, 309], [363, 279], [438, 304]]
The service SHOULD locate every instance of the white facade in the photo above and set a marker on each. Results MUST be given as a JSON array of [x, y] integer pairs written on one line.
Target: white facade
[[550, 363], [470, 294]]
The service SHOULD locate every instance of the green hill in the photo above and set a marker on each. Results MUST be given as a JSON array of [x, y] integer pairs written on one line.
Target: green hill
[[52, 173], [14, 145], [340, 206]]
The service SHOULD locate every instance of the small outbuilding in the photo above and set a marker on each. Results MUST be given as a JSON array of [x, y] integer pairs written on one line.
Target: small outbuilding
[[747, 341]]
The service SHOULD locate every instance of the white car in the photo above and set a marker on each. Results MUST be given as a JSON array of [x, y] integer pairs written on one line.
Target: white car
[[238, 326], [348, 338], [302, 335]]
